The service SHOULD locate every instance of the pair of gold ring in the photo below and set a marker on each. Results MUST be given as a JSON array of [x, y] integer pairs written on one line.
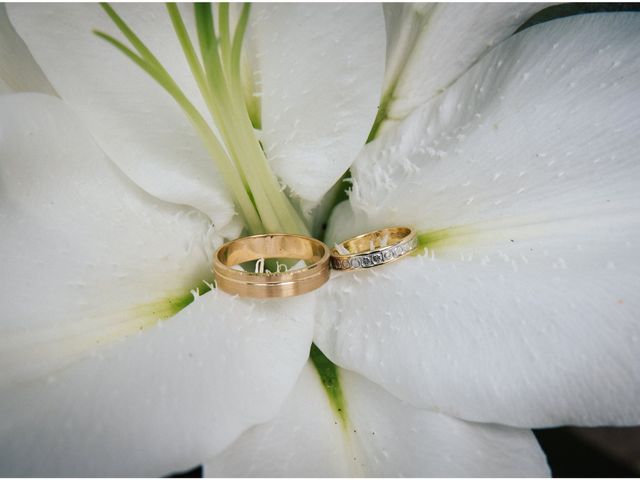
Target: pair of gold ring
[[364, 251]]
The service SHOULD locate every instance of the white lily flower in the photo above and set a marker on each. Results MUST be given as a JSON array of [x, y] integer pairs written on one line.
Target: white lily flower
[[516, 164]]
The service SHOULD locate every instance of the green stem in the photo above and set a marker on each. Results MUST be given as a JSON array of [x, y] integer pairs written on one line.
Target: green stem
[[235, 139], [197, 70], [225, 38], [280, 202], [275, 210], [239, 156], [223, 163], [135, 41]]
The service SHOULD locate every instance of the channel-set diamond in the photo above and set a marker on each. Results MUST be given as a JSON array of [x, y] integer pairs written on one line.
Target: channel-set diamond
[[375, 258]]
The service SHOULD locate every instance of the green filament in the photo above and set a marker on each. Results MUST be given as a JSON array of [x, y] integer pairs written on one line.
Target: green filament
[[238, 155]]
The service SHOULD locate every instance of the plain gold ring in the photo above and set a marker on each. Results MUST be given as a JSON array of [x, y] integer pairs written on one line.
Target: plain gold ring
[[266, 284]]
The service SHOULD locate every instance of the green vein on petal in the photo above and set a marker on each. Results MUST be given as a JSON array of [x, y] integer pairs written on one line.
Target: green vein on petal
[[381, 116], [175, 304], [331, 382], [507, 230], [78, 339], [435, 238], [457, 236], [147, 315]]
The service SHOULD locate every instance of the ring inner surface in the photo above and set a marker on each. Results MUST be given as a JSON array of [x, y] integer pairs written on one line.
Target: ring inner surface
[[362, 243], [283, 247]]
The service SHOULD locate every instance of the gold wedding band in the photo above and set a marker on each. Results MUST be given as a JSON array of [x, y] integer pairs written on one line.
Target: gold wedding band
[[374, 248], [265, 284]]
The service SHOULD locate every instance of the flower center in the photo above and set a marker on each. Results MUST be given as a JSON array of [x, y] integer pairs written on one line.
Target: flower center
[[236, 151]]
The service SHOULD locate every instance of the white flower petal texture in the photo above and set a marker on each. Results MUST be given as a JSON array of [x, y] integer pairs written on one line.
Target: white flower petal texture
[[162, 401], [321, 69], [103, 257], [381, 437], [524, 309], [135, 122], [431, 45], [94, 379], [18, 71]]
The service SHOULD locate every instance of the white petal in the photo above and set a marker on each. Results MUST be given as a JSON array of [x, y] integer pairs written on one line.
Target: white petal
[[133, 120], [321, 69], [93, 259], [18, 71], [161, 401], [524, 175], [102, 257], [431, 45], [383, 437]]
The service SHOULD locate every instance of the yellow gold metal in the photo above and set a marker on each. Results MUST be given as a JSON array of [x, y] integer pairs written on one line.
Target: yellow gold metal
[[267, 284], [374, 248]]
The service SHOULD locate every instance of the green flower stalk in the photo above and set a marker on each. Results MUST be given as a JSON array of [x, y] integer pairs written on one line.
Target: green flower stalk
[[238, 155]]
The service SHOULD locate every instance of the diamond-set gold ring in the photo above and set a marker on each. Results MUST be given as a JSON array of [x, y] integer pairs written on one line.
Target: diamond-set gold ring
[[374, 248]]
